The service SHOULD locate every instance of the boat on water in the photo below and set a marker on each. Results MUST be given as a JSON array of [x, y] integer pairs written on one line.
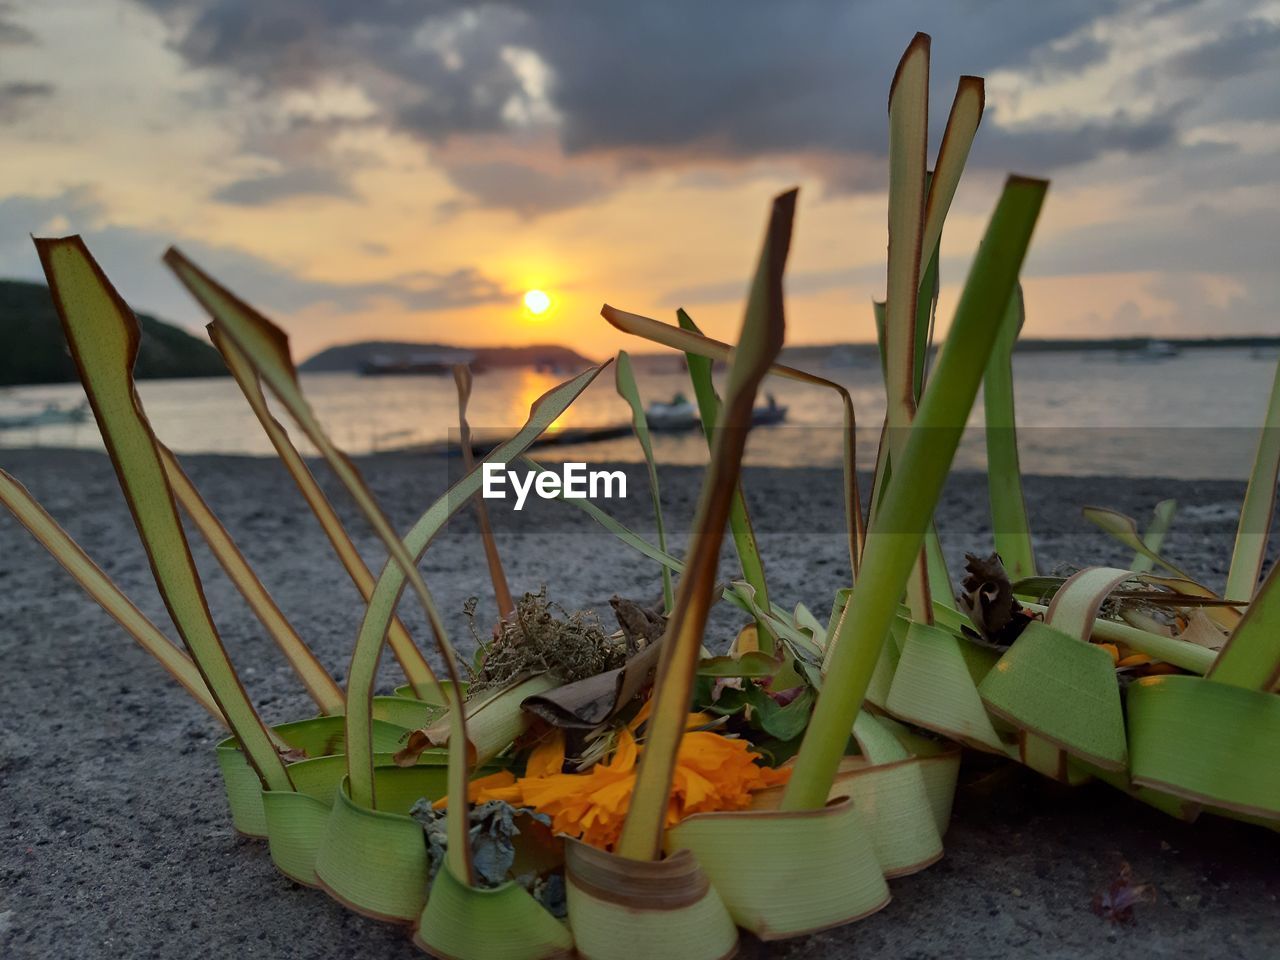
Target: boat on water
[[50, 415], [769, 414], [676, 416], [680, 415]]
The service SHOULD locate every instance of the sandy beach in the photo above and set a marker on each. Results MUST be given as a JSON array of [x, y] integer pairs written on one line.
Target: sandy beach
[[116, 839]]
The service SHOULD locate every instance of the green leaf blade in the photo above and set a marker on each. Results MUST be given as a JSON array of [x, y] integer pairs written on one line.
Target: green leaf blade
[[757, 350], [744, 536], [1251, 657], [326, 694], [1009, 523], [1153, 539], [629, 390], [103, 336], [415, 666], [1258, 510]]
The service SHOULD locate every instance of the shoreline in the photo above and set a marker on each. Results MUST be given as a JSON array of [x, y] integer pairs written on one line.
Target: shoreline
[[613, 445], [114, 810]]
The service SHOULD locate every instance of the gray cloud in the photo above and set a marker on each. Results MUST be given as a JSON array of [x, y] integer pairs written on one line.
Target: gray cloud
[[720, 80], [427, 290], [465, 84], [295, 182], [526, 190], [1209, 168], [1070, 56], [1242, 48], [12, 33], [18, 96], [1218, 77], [798, 282], [131, 257], [1050, 145], [1165, 7], [746, 79], [287, 41], [460, 84], [1185, 237]]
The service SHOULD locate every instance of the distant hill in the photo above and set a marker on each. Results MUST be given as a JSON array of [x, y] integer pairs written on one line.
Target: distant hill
[[350, 357], [33, 349]]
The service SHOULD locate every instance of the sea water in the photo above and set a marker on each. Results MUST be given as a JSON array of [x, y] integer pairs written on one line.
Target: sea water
[[1195, 415]]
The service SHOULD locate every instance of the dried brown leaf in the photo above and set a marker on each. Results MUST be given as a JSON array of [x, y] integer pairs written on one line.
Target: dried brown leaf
[[988, 600], [1117, 902]]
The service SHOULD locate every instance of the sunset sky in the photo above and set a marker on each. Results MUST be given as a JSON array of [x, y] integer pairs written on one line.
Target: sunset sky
[[406, 170]]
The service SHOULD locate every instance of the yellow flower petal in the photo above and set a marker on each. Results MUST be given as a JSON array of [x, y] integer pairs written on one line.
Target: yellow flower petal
[[713, 772], [482, 785], [548, 757]]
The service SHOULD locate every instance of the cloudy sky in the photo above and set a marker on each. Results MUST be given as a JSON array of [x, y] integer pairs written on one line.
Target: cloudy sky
[[406, 169]]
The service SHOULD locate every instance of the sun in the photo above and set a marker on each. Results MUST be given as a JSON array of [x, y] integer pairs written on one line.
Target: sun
[[537, 302]]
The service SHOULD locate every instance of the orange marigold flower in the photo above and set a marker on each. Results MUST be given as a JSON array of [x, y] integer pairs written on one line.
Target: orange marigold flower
[[496, 786], [713, 772]]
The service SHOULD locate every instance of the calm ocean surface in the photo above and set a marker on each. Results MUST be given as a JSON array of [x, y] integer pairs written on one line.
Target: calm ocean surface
[[1196, 415]]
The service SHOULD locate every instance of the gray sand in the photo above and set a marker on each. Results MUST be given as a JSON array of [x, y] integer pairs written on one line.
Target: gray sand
[[116, 839]]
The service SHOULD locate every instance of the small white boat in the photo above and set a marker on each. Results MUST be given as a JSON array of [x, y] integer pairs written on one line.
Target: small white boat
[[673, 417], [680, 415]]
